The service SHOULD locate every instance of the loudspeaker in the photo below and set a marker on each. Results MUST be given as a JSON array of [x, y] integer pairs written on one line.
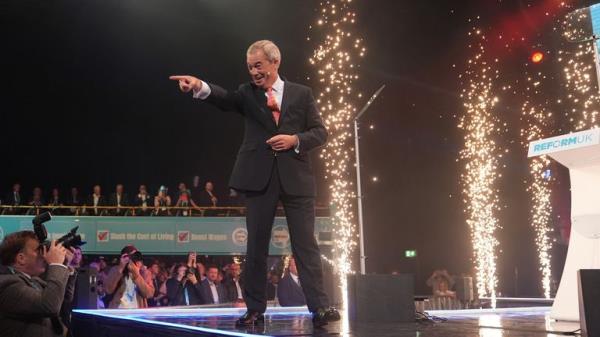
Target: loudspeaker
[[589, 301], [381, 298], [464, 289], [86, 289]]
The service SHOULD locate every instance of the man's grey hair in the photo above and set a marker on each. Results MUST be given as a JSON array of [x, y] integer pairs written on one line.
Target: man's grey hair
[[268, 47]]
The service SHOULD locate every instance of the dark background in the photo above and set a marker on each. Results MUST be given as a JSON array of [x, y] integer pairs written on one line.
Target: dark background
[[86, 100]]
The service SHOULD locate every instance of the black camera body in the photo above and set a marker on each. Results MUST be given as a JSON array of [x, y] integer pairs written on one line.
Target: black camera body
[[71, 239], [136, 256]]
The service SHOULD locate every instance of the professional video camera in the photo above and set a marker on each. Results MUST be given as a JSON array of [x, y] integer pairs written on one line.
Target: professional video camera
[[71, 239]]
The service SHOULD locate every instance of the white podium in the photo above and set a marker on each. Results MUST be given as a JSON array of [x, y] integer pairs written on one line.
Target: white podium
[[580, 153]]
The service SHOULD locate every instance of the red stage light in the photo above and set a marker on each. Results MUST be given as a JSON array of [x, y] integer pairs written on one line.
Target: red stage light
[[537, 57]]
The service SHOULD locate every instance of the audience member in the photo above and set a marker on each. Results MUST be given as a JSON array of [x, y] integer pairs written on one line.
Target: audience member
[[212, 291], [161, 202], [129, 284], [142, 199], [56, 202], [74, 201], [232, 283], [289, 290], [184, 288], [96, 200], [119, 201], [14, 199], [207, 197]]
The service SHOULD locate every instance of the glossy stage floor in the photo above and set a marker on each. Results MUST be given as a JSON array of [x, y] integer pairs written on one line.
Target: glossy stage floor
[[507, 322]]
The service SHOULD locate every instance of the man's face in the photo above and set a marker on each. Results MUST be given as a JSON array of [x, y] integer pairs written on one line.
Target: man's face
[[119, 189], [143, 189], [77, 256], [209, 186], [16, 187], [74, 191], [181, 271], [182, 187], [102, 264], [55, 192], [97, 190], [235, 270], [30, 259], [196, 180], [155, 269], [262, 71], [212, 274]]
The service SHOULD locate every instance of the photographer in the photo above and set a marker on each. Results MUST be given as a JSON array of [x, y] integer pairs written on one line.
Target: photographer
[[184, 287], [129, 284], [30, 305]]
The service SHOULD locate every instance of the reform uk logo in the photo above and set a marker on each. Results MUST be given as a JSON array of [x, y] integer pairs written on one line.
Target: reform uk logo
[[566, 142]]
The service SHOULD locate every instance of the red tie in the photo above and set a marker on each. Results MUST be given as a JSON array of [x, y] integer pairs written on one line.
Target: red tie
[[272, 104]]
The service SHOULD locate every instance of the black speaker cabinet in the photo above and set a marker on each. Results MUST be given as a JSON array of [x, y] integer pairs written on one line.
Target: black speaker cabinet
[[589, 301], [381, 298], [86, 291]]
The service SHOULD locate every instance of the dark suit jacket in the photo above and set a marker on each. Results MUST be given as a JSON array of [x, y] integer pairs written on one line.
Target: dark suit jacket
[[90, 203], [202, 198], [232, 292], [206, 294], [112, 200], [255, 159], [10, 199], [176, 292], [289, 293], [28, 309]]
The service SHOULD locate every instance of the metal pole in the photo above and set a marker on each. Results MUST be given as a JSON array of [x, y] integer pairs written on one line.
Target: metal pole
[[361, 238], [359, 197]]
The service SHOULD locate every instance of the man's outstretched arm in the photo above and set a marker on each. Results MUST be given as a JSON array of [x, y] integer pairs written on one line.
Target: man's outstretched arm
[[213, 94]]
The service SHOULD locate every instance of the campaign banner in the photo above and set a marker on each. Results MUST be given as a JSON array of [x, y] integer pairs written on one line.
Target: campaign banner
[[165, 235]]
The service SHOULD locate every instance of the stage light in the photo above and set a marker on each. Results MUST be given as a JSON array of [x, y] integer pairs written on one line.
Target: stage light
[[537, 57]]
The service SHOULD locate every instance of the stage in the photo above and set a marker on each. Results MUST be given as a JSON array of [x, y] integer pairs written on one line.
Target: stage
[[296, 321]]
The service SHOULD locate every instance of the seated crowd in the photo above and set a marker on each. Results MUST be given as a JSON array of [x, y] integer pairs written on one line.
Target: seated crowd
[[184, 202]]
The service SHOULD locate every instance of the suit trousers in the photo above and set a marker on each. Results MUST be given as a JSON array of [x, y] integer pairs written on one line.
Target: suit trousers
[[300, 215]]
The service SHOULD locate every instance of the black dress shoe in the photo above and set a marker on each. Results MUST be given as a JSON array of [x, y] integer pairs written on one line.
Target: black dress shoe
[[250, 318], [325, 315]]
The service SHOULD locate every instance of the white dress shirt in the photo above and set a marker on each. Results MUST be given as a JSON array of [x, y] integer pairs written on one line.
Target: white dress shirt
[[215, 293], [278, 87]]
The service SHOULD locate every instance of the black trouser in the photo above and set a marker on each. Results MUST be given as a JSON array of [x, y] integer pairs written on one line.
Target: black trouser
[[300, 215]]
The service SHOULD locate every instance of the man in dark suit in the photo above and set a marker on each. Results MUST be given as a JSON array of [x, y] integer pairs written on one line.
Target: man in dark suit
[[29, 305], [212, 291], [282, 125], [118, 200], [289, 291], [96, 200], [184, 288], [74, 201], [14, 198], [233, 283]]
